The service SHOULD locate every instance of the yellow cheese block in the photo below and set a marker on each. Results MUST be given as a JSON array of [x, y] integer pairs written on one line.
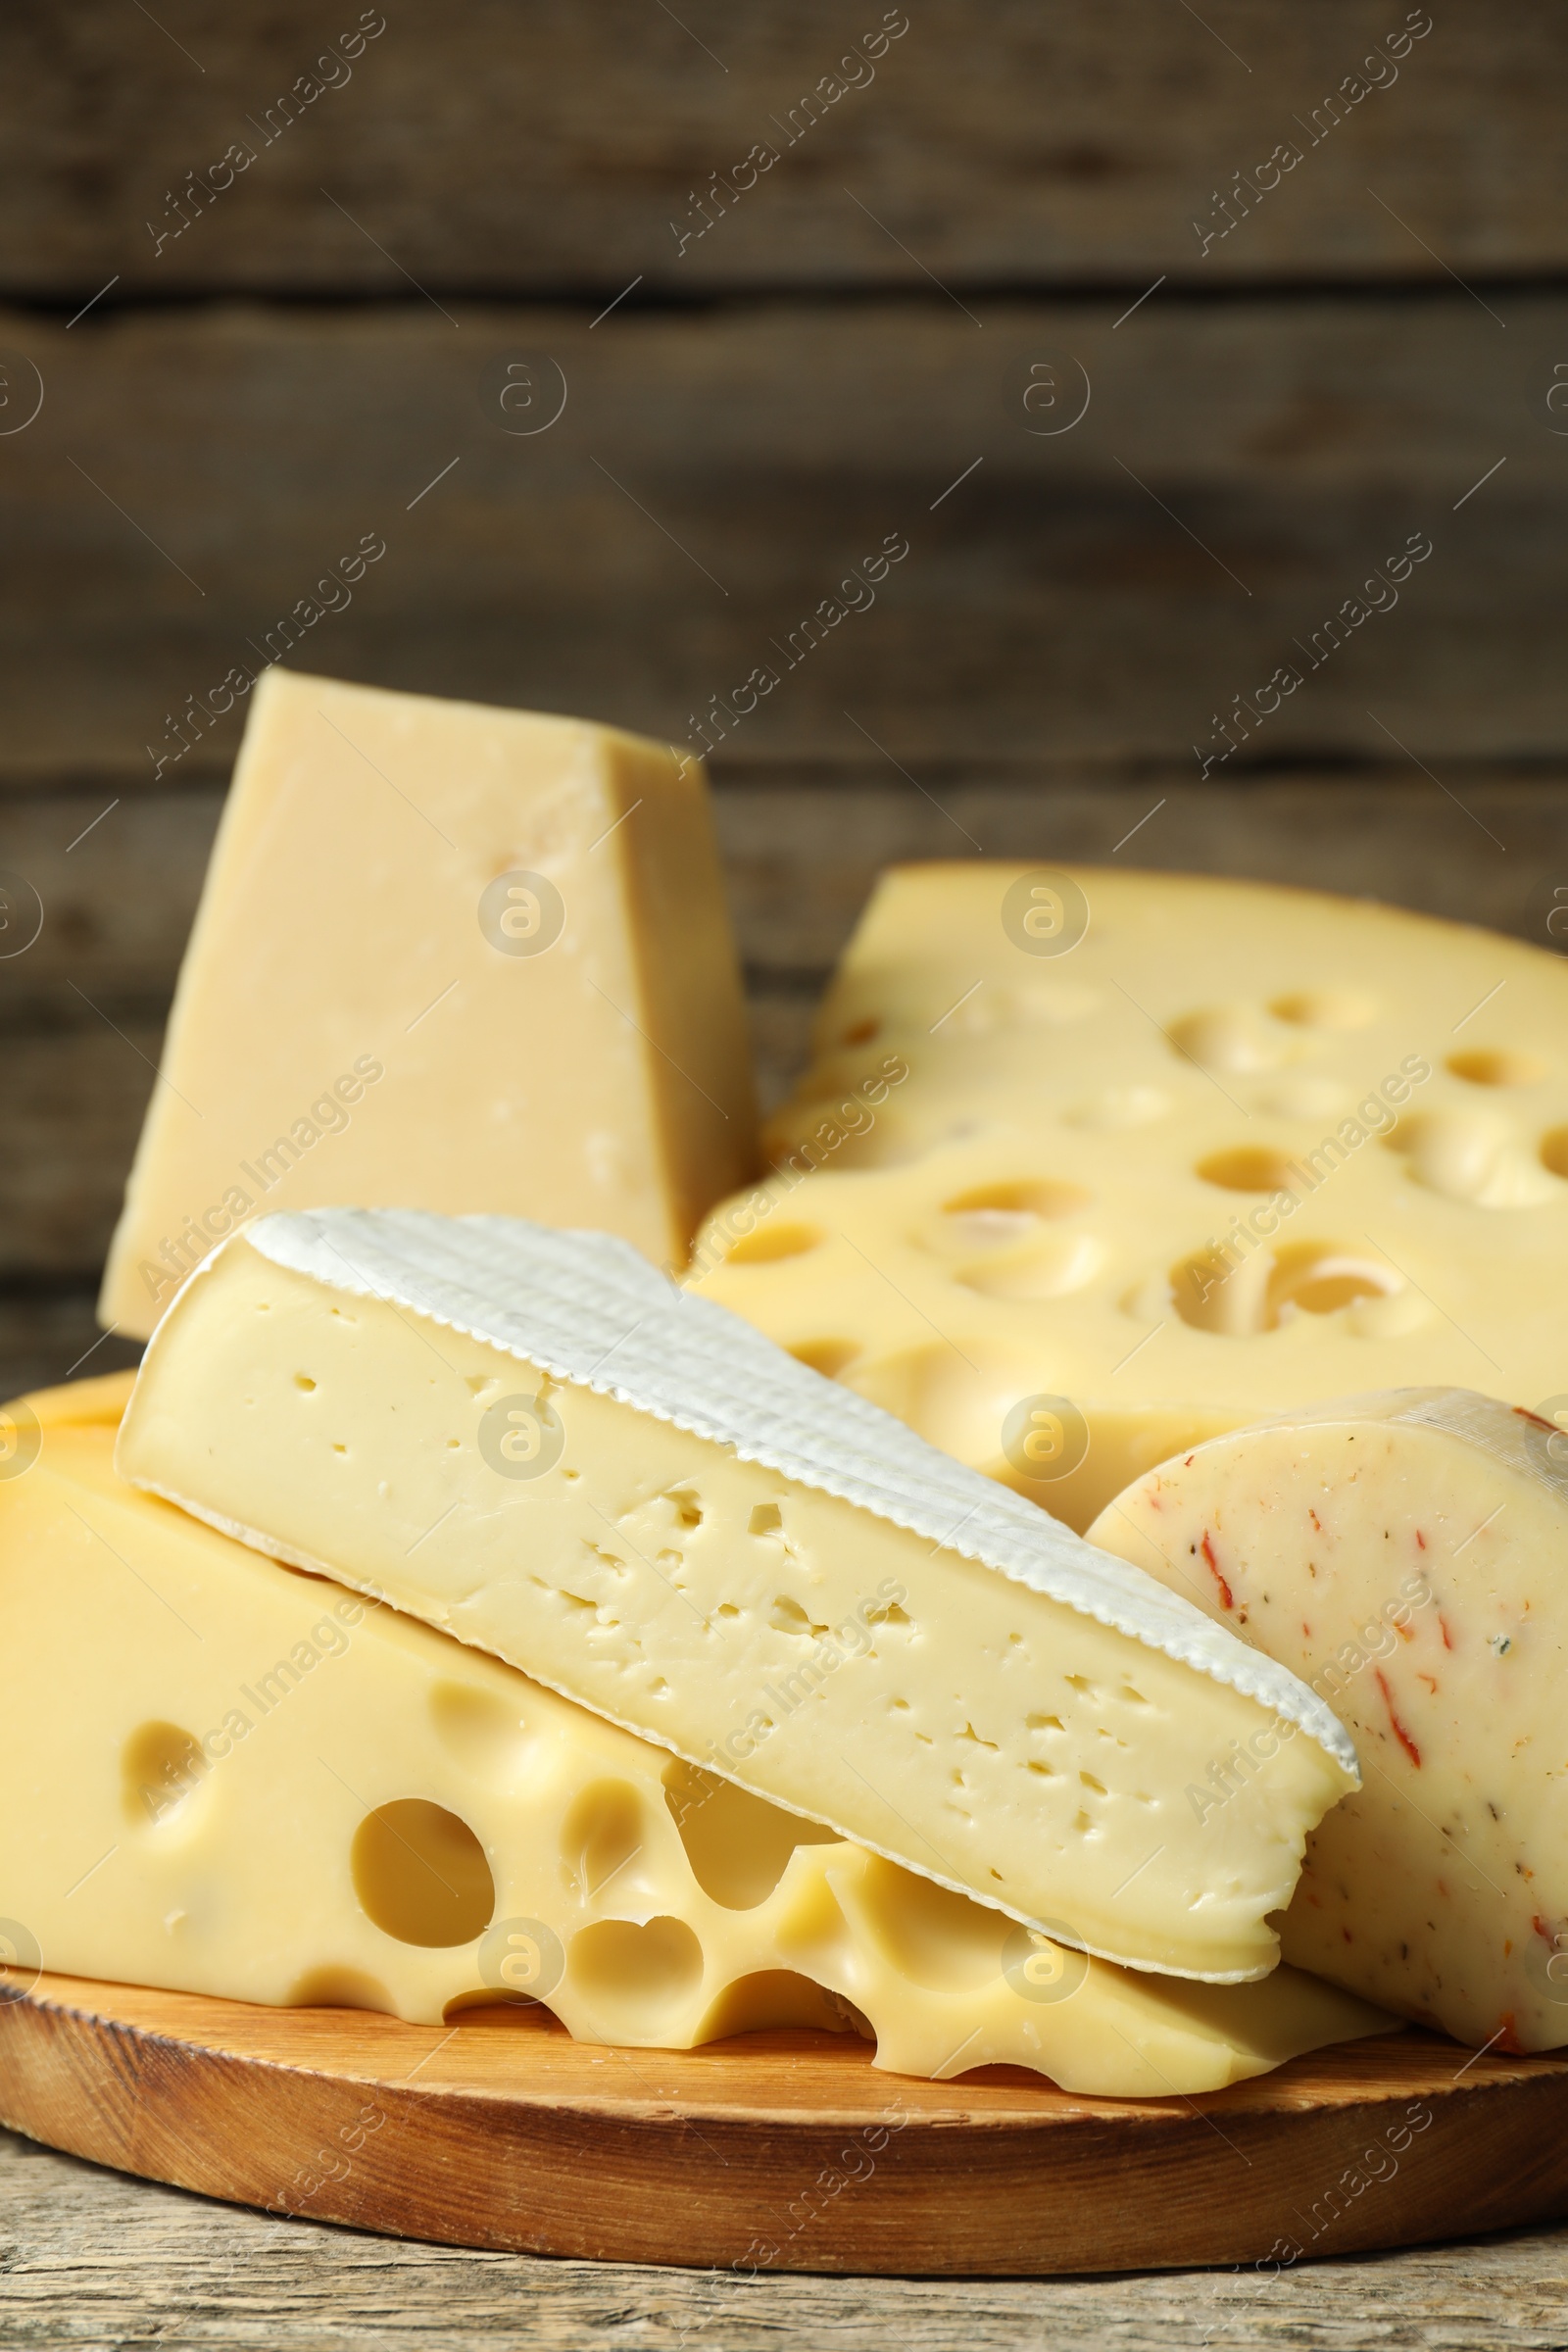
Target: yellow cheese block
[[228, 1778], [537, 1443], [1184, 1152], [449, 958], [1408, 1554]]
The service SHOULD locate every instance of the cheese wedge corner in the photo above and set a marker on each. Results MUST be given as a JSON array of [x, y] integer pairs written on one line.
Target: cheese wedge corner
[[1406, 1554], [538, 1444], [1174, 1150], [232, 1779], [448, 955]]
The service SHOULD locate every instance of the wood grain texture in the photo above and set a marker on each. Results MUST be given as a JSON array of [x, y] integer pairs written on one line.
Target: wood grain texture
[[94, 2257], [119, 882], [1088, 597], [802, 850], [528, 148], [1055, 632], [83, 1007], [49, 1333], [776, 2151], [74, 1100], [1487, 851]]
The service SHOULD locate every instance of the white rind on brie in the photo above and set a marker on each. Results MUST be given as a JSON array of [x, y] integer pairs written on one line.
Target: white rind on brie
[[590, 1312], [722, 1552]]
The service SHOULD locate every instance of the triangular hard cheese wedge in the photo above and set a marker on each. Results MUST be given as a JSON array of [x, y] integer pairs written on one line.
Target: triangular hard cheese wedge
[[231, 1779], [532, 1440], [480, 959]]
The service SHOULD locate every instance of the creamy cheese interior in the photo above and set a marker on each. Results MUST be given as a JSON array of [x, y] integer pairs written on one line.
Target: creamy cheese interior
[[1187, 1153], [460, 958], [228, 1778], [1406, 1555], [969, 1726]]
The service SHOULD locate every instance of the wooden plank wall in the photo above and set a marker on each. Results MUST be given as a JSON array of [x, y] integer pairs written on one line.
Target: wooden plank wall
[[629, 336]]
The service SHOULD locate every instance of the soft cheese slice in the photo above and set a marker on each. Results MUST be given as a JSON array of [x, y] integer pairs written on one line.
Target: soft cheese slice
[[232, 1779], [1408, 1554], [1191, 1151], [452, 957], [538, 1442]]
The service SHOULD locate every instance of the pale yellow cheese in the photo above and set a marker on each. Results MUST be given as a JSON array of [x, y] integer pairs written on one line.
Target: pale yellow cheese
[[228, 1778], [1017, 1720], [446, 957], [1408, 1554], [1190, 1151]]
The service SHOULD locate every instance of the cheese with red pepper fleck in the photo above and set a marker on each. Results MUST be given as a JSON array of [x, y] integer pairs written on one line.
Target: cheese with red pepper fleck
[[1406, 1554]]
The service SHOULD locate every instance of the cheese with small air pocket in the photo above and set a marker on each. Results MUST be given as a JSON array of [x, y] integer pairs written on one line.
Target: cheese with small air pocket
[[535, 1442], [1190, 1151], [1406, 1554], [449, 956], [232, 1779]]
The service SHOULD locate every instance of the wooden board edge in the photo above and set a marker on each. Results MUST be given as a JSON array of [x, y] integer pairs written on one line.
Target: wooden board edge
[[1214, 2186]]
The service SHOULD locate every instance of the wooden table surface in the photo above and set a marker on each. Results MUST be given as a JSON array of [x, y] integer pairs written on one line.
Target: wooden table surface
[[89, 2258], [878, 338], [1377, 350]]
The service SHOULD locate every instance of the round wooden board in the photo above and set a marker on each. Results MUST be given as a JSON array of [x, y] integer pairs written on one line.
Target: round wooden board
[[779, 2150]]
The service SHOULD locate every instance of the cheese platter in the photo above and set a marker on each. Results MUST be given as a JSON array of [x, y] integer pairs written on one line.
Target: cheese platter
[[960, 1680]]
